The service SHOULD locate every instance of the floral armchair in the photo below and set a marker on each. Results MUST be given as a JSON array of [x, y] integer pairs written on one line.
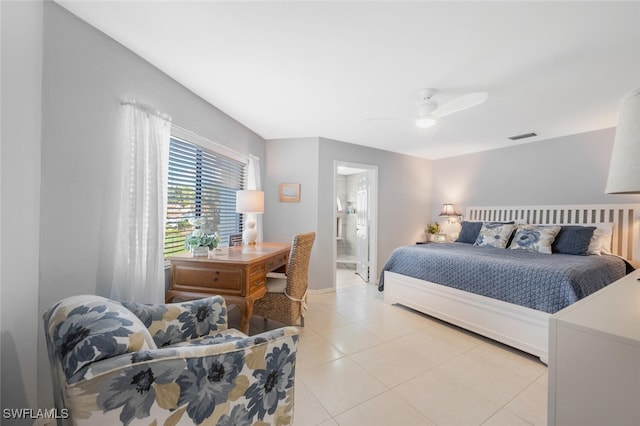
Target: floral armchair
[[128, 363]]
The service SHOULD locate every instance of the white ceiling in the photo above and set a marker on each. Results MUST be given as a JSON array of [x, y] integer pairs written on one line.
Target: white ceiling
[[351, 71]]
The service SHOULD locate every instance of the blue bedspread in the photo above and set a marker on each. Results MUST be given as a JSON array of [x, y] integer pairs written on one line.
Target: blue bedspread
[[539, 281]]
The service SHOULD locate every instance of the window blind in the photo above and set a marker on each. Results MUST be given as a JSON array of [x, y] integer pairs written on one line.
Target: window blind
[[201, 184]]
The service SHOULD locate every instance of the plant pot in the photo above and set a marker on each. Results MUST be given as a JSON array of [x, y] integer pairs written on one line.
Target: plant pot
[[439, 238], [201, 251]]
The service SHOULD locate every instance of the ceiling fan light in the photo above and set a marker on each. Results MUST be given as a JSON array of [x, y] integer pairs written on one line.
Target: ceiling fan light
[[425, 122]]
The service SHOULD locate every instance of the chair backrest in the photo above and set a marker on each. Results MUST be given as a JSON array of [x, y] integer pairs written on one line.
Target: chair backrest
[[298, 265]]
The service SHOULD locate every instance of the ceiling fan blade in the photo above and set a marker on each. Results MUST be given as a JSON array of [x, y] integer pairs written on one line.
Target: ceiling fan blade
[[460, 103], [388, 121]]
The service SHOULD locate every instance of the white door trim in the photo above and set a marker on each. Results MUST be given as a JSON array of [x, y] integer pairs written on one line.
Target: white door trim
[[373, 210]]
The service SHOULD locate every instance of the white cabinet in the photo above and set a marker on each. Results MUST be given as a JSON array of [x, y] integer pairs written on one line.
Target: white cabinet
[[594, 358]]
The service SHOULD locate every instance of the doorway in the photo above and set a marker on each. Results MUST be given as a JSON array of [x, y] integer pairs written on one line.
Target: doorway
[[355, 195]]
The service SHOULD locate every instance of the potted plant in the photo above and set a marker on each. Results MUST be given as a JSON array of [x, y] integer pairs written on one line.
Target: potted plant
[[432, 229], [199, 242]]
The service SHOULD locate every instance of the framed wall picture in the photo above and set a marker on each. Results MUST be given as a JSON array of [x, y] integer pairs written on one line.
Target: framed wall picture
[[289, 192]]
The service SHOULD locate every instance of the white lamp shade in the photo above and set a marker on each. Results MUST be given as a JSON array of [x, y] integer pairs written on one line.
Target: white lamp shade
[[449, 210], [249, 201], [624, 169]]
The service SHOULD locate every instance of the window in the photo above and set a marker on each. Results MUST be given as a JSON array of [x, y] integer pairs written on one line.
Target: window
[[203, 184]]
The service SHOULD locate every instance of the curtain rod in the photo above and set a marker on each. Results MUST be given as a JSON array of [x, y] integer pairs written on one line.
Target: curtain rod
[[182, 132], [146, 108], [190, 136]]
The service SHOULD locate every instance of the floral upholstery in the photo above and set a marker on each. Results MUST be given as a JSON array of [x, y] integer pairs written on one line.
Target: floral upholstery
[[180, 322], [125, 363]]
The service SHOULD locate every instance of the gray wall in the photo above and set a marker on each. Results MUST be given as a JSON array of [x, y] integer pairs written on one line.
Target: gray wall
[[404, 188], [85, 75], [567, 170], [21, 85], [292, 161]]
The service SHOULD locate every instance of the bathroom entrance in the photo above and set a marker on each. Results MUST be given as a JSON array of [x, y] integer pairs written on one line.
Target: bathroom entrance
[[355, 223]]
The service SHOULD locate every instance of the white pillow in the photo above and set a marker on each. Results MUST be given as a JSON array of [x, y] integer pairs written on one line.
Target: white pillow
[[601, 239]]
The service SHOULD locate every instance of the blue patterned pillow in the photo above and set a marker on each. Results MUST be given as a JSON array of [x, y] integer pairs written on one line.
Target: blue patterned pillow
[[534, 238], [573, 239], [494, 234], [469, 232]]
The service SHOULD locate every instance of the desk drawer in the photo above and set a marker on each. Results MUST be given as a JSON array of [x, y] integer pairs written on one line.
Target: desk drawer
[[226, 280], [256, 283], [257, 270], [276, 262]]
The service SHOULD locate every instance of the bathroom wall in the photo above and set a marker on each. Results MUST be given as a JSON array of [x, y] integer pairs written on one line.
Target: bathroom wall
[[347, 187]]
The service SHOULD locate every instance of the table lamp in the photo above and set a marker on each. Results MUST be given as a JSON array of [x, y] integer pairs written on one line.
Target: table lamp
[[450, 213], [250, 202]]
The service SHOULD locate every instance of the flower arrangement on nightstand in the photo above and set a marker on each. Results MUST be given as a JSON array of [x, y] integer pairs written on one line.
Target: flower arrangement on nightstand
[[436, 237], [433, 228]]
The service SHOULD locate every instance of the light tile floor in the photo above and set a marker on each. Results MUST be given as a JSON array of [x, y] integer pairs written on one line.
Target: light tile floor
[[361, 362], [347, 277]]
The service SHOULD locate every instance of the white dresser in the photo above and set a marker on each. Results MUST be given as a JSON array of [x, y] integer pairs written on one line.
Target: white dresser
[[594, 358]]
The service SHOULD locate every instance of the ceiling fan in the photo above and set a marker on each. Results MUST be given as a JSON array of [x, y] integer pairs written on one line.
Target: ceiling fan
[[429, 110]]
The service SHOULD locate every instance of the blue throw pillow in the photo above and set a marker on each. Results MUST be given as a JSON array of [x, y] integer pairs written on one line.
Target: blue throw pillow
[[573, 239], [469, 232]]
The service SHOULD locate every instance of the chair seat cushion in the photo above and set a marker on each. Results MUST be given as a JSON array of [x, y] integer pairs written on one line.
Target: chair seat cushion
[[222, 336], [276, 285], [92, 370], [276, 275]]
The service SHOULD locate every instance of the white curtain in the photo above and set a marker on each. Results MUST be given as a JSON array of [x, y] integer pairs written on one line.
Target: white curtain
[[253, 183], [139, 262]]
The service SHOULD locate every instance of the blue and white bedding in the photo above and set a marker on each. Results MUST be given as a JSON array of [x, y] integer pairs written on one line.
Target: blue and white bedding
[[544, 282]]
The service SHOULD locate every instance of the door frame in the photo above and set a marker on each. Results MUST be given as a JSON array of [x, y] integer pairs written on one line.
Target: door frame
[[373, 214]]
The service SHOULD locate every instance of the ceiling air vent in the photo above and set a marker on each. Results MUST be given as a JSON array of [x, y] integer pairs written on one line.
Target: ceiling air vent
[[523, 136]]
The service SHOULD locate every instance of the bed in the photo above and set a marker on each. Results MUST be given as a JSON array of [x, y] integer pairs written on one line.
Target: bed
[[443, 280]]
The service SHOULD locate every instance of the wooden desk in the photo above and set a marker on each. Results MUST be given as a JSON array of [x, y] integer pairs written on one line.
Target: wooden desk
[[240, 276]]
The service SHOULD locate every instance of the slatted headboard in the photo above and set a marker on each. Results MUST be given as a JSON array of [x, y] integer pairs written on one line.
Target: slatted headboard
[[625, 217]]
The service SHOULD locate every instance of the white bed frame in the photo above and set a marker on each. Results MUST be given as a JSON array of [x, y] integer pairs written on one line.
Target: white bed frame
[[522, 328]]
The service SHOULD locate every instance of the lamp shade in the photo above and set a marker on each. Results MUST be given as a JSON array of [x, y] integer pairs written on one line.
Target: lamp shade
[[624, 169], [449, 210], [249, 201]]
